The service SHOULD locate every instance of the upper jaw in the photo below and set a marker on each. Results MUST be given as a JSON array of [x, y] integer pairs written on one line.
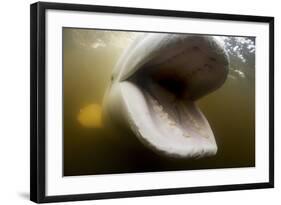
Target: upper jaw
[[188, 70], [157, 49]]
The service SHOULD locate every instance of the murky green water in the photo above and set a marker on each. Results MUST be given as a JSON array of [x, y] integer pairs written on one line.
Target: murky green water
[[91, 148]]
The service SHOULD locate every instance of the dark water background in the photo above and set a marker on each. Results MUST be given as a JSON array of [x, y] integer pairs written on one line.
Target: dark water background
[[90, 55]]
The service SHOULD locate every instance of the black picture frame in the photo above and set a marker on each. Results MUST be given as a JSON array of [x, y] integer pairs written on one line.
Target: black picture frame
[[38, 101]]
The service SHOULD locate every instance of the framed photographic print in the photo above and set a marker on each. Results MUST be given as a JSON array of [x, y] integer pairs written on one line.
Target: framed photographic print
[[129, 102]]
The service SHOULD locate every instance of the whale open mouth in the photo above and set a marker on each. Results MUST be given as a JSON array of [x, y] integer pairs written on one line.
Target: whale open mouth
[[160, 97]]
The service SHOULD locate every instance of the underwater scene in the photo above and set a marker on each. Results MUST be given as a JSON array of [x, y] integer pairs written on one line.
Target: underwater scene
[[149, 102]]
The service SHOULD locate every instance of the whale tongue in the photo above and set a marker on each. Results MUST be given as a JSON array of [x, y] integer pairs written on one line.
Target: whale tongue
[[169, 125], [173, 114]]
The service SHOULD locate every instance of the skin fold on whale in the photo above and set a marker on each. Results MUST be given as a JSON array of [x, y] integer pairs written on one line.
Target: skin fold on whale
[[154, 87]]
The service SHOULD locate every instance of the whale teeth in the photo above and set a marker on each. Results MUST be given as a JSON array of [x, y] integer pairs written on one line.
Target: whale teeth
[[163, 114], [158, 108], [172, 123]]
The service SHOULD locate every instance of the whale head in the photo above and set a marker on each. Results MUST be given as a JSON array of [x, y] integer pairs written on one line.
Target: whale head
[[154, 87]]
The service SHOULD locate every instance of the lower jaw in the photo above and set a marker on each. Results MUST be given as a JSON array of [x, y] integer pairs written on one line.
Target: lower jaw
[[185, 134]]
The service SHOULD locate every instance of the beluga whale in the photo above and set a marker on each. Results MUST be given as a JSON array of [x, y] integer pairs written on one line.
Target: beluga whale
[[154, 88]]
